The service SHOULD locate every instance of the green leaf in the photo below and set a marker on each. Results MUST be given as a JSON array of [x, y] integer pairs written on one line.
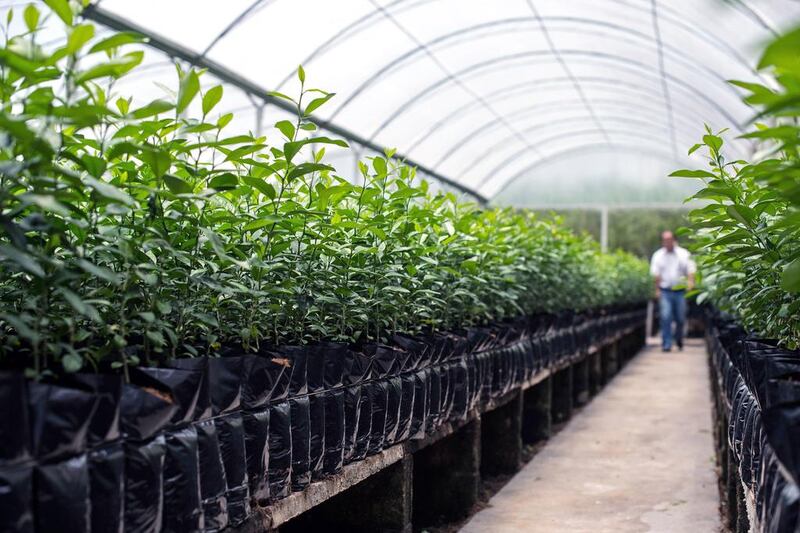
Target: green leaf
[[62, 9], [158, 160], [782, 52], [115, 41], [31, 16], [177, 185], [71, 362], [153, 108], [692, 174], [287, 128], [189, 87], [23, 260], [301, 74], [113, 68], [290, 149], [211, 98], [109, 191], [262, 186], [79, 36], [714, 142], [317, 103], [790, 278], [224, 182]]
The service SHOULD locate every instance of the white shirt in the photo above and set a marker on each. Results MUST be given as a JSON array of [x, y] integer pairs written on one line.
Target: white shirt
[[672, 267]]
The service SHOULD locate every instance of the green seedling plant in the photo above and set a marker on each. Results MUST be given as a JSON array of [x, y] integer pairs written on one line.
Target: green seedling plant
[[132, 232], [748, 232]]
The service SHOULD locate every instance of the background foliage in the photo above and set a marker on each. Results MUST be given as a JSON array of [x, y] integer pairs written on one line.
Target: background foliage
[[133, 233]]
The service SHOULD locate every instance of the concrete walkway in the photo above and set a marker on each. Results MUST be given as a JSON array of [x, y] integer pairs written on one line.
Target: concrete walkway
[[639, 457]]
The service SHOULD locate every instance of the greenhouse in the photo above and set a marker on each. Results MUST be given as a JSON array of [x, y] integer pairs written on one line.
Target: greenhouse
[[400, 266]]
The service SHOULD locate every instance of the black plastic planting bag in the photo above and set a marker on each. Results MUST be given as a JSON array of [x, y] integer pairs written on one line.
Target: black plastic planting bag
[[280, 450], [107, 389], [212, 476], [434, 385], [352, 409], [782, 425], [15, 446], [378, 396], [297, 358], [356, 367], [59, 418], [394, 391], [16, 497], [225, 381], [301, 442], [364, 429], [334, 431], [183, 508], [316, 450], [144, 476], [107, 487], [460, 388], [231, 440], [419, 411], [183, 388], [268, 378], [406, 408], [200, 365], [383, 360], [256, 438], [62, 496], [144, 411]]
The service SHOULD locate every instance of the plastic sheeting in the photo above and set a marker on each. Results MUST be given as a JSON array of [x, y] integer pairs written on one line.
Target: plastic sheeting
[[486, 93]]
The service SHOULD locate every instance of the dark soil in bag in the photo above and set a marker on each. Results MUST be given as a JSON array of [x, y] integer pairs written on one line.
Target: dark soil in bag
[[183, 508], [301, 442], [256, 439], [212, 476], [352, 409], [107, 487], [378, 396], [334, 431], [62, 496], [280, 450], [15, 446], [144, 476], [16, 497], [231, 441], [316, 451], [394, 394]]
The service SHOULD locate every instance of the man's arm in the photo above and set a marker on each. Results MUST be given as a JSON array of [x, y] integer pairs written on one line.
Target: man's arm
[[655, 272]]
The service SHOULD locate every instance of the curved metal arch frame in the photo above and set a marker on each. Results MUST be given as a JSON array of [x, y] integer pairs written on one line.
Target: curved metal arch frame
[[487, 178], [465, 108], [420, 95], [412, 56], [481, 156], [487, 126], [666, 155], [672, 17]]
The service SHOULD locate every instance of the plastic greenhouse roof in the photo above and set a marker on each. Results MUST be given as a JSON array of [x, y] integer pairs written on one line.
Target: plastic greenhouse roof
[[537, 102]]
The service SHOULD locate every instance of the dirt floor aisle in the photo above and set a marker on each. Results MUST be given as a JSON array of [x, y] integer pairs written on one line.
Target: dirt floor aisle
[[639, 457]]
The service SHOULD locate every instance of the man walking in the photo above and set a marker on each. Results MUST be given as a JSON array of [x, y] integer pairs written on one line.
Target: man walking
[[673, 269]]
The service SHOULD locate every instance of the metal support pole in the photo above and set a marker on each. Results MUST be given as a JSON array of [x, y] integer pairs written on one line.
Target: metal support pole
[[604, 228]]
